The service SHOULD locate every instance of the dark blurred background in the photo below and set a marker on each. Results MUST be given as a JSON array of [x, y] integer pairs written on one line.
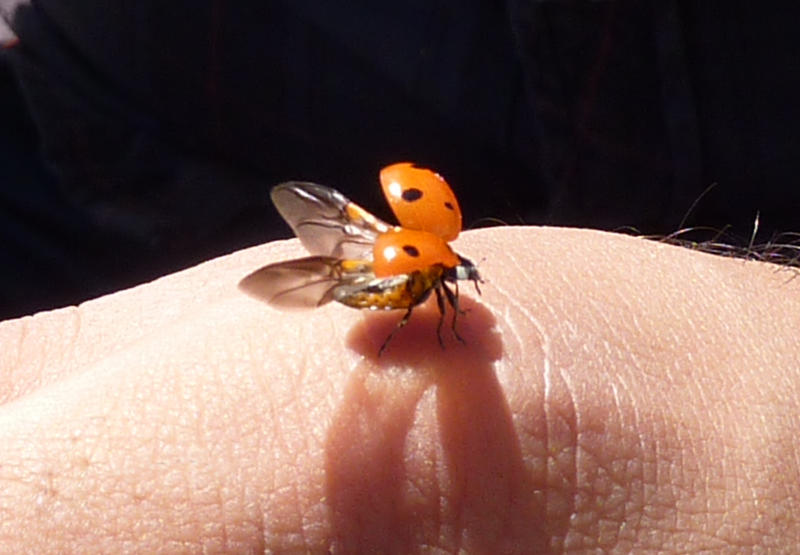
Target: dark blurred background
[[137, 138]]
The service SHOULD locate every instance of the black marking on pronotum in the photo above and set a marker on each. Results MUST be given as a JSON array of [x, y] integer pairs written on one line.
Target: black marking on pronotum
[[411, 250], [411, 194]]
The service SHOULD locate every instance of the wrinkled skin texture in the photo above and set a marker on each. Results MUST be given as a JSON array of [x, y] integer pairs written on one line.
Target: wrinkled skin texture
[[613, 393]]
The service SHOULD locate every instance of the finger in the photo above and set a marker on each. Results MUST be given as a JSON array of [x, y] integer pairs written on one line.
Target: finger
[[591, 373]]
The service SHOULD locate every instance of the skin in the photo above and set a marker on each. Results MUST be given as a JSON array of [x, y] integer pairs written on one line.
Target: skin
[[614, 393]]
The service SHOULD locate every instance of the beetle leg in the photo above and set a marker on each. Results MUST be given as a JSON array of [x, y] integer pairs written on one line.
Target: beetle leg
[[400, 324], [452, 298], [442, 308]]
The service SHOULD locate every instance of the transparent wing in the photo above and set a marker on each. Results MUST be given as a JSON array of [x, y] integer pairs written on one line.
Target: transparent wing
[[327, 222], [302, 283]]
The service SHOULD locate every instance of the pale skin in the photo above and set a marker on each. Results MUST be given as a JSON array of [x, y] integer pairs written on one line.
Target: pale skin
[[613, 393]]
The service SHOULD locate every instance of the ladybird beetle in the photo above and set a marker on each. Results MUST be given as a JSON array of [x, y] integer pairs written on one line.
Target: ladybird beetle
[[362, 262]]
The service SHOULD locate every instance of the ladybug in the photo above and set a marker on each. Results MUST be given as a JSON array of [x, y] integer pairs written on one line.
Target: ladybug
[[362, 262]]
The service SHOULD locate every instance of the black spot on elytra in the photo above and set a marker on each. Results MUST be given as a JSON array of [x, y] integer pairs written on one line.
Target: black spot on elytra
[[411, 194], [411, 250], [449, 205]]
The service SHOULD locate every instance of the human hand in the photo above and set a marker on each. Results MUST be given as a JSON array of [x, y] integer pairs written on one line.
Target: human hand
[[613, 393]]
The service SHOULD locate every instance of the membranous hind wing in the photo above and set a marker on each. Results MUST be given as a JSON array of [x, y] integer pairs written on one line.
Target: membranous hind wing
[[305, 282], [327, 222]]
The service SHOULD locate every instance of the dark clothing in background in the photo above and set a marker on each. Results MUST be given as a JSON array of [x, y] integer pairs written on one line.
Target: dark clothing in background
[[163, 125]]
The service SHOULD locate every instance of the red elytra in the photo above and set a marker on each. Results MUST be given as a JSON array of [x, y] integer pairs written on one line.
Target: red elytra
[[404, 251], [421, 199]]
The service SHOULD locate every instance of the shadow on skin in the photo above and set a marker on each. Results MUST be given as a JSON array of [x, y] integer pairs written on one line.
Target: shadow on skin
[[423, 449]]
